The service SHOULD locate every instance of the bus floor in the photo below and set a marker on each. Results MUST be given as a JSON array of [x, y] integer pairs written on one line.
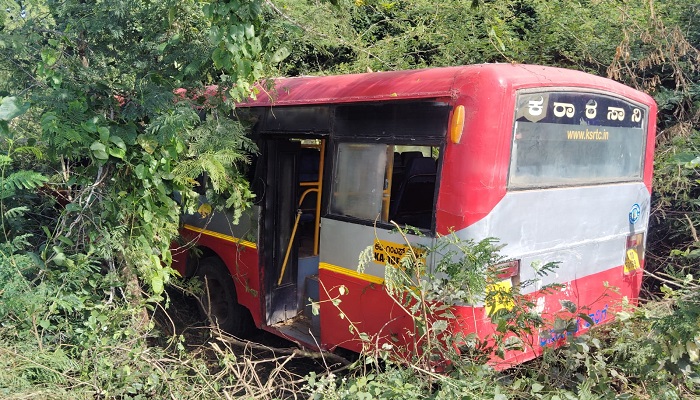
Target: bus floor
[[300, 330], [305, 327]]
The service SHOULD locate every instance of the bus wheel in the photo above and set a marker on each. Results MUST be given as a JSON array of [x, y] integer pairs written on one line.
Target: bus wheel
[[218, 303]]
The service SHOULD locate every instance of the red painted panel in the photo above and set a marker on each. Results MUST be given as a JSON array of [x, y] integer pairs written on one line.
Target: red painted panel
[[242, 263], [475, 171], [588, 293], [372, 311], [366, 308], [651, 143], [426, 83]]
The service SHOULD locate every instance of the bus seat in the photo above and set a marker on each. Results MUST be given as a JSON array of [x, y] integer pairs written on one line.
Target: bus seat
[[308, 164], [398, 162], [408, 156], [413, 204], [397, 174]]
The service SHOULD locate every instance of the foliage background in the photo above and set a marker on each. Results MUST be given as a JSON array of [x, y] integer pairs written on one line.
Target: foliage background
[[95, 142]]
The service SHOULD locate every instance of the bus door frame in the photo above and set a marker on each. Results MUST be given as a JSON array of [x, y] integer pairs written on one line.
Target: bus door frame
[[279, 221]]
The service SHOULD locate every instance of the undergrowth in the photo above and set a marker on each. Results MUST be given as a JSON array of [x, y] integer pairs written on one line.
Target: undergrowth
[[649, 352], [71, 326], [68, 332]]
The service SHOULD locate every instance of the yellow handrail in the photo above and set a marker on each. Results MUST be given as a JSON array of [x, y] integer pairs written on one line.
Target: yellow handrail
[[303, 195], [289, 248]]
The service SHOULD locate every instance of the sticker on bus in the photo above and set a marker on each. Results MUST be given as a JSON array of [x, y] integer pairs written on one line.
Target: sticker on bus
[[390, 253], [501, 298], [632, 261]]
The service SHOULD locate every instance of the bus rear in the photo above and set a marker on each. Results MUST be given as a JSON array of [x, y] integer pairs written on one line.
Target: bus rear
[[564, 176]]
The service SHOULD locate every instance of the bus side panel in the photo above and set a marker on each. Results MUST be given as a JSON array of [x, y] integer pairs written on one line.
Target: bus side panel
[[242, 263], [366, 302], [602, 293], [583, 229], [365, 308]]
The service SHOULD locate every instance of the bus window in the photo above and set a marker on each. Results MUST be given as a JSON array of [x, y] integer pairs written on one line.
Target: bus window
[[358, 184], [577, 145], [385, 183]]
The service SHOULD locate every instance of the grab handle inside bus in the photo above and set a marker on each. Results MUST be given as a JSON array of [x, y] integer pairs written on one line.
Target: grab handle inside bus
[[289, 248]]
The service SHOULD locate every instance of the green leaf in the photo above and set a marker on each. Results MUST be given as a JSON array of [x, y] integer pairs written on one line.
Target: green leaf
[[56, 79], [587, 318], [99, 151], [148, 144], [279, 55], [116, 152], [569, 305], [104, 133], [49, 56], [59, 259], [24, 180], [439, 326], [140, 171], [11, 108], [157, 284], [5, 160], [90, 125], [16, 212], [537, 387], [249, 31], [72, 207], [65, 240], [560, 325], [315, 308], [120, 150]]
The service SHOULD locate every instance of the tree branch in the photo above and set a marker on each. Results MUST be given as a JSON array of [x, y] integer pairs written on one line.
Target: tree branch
[[306, 29]]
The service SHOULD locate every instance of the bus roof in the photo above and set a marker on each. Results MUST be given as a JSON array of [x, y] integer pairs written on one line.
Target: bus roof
[[434, 83]]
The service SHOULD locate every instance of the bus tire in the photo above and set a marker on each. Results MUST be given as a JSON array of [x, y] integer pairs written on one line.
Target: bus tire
[[218, 303]]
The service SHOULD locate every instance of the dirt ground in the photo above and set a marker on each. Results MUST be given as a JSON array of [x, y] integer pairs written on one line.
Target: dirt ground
[[264, 352]]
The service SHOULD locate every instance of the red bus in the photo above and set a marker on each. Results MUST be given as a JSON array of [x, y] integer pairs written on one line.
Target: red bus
[[555, 163]]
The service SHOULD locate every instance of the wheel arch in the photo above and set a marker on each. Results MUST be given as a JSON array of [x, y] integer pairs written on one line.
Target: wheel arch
[[197, 254]]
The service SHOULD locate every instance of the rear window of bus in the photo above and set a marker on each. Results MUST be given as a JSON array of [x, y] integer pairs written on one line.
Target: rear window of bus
[[567, 138]]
